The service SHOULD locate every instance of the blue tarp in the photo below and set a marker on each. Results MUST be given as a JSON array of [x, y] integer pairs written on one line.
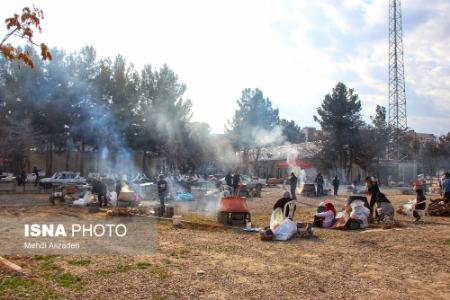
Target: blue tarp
[[184, 197]]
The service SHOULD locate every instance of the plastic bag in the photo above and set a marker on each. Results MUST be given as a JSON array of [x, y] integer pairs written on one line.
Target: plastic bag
[[360, 212], [276, 219], [408, 208], [286, 230], [82, 201]]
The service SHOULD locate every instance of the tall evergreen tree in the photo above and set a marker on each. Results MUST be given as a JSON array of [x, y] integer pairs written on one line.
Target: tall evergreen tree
[[292, 132], [340, 119], [255, 124]]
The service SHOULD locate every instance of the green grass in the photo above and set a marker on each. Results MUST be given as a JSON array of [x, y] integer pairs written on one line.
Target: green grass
[[46, 257], [79, 262], [46, 268], [69, 280], [23, 288], [143, 265]]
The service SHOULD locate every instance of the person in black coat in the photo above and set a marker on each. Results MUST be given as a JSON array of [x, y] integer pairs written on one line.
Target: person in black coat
[[229, 179], [99, 188], [336, 185], [293, 183], [319, 182], [162, 190]]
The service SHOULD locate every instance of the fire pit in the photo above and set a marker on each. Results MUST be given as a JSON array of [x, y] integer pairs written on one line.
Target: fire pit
[[233, 211]]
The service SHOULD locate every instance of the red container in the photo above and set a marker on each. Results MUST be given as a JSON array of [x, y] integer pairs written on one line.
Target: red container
[[233, 204]]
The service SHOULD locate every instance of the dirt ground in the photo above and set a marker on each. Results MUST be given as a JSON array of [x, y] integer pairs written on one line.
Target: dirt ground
[[208, 262]]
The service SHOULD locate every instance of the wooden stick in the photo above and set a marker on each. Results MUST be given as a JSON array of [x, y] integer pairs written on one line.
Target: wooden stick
[[12, 266]]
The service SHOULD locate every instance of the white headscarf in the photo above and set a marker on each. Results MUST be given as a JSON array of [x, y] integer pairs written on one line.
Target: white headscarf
[[286, 195]]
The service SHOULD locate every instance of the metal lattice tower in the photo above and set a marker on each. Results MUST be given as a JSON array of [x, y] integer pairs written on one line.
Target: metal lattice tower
[[397, 97]]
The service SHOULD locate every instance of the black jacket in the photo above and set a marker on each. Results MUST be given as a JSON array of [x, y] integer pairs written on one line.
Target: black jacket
[[335, 182], [162, 186], [293, 180]]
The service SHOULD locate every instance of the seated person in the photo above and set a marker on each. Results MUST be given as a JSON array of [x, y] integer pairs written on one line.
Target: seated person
[[420, 201], [286, 197], [326, 213], [360, 213], [384, 208]]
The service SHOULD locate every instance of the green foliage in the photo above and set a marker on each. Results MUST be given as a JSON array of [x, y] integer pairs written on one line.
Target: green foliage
[[292, 132], [340, 119], [339, 114], [254, 119], [78, 100]]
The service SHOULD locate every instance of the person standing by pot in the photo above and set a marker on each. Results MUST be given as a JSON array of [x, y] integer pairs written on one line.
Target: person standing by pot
[[319, 182], [229, 180], [162, 190], [293, 183], [420, 200], [336, 185]]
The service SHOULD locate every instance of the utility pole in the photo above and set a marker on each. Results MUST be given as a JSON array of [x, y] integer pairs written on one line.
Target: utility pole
[[397, 98]]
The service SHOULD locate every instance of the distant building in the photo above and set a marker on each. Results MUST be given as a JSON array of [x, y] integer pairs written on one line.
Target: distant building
[[280, 161], [311, 134], [425, 138]]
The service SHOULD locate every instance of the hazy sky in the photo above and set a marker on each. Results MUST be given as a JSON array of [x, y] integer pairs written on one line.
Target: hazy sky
[[295, 51]]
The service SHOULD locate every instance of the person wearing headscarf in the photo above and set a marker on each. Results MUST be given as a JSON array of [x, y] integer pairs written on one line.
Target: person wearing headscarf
[[285, 198], [373, 190], [326, 213], [384, 207], [420, 200]]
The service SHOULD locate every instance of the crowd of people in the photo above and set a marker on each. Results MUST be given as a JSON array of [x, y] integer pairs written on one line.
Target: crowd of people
[[379, 208]]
